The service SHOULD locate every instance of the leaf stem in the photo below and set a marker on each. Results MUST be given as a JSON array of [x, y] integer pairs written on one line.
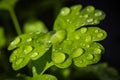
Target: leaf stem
[[15, 21], [48, 65]]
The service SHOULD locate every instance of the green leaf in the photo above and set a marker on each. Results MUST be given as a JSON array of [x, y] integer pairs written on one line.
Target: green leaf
[[47, 77], [6, 4], [34, 25], [75, 17], [28, 46], [2, 37], [80, 43]]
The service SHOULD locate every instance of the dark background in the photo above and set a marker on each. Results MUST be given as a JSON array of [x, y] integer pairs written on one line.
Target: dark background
[[27, 9]]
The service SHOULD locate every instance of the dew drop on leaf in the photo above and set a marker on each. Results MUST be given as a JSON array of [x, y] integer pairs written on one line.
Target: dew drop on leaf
[[90, 57], [90, 20], [65, 11], [34, 54], [88, 39], [77, 37], [29, 39], [98, 13], [97, 51], [16, 41], [85, 16], [90, 8], [28, 49], [58, 57], [18, 61], [83, 30], [78, 52], [100, 35], [96, 31]]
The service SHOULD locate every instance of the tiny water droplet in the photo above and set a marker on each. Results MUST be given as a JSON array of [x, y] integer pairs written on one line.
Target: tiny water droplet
[[100, 35], [34, 54], [87, 45], [78, 52], [68, 20], [90, 20], [38, 32], [90, 57], [16, 41], [95, 21], [28, 49], [90, 8], [19, 61], [58, 57], [83, 30], [88, 39], [98, 13], [29, 39], [96, 31], [85, 16], [77, 37], [65, 11], [97, 51], [49, 42], [81, 61]]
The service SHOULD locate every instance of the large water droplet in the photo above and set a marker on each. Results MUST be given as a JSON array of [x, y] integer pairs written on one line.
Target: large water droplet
[[34, 54], [90, 20], [97, 51], [16, 41], [83, 30], [100, 35], [19, 61], [28, 49], [88, 39], [98, 13], [29, 39], [90, 8], [78, 52], [85, 16], [65, 11], [96, 31], [90, 57], [58, 57], [77, 37]]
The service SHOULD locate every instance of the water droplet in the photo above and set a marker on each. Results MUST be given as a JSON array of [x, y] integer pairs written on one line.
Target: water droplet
[[28, 49], [88, 39], [13, 58], [34, 54], [65, 11], [95, 21], [77, 37], [19, 61], [85, 16], [58, 57], [90, 8], [81, 61], [87, 45], [38, 32], [16, 41], [96, 31], [90, 57], [60, 48], [83, 30], [68, 20], [29, 39], [100, 35], [78, 52], [97, 51], [98, 13], [90, 20], [49, 42]]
